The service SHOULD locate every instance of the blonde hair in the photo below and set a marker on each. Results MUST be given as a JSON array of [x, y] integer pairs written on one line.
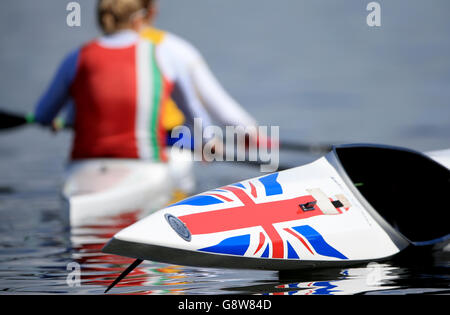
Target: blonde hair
[[114, 14], [147, 3]]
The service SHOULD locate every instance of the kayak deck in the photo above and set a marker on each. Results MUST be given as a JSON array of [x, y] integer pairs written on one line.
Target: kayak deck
[[98, 189]]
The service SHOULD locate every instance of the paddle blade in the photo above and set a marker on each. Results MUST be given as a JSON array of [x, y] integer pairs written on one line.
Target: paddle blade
[[130, 268], [8, 120]]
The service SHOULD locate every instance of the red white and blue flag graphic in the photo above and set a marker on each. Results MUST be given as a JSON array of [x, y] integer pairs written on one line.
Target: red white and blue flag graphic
[[244, 209]]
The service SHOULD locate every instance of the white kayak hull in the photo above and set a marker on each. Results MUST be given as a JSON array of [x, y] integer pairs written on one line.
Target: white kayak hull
[[98, 189], [305, 217]]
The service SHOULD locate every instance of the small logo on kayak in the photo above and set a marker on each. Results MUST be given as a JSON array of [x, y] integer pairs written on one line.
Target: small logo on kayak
[[179, 227]]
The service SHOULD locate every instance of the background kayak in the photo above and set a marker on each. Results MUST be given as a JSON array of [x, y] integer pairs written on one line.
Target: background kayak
[[97, 190]]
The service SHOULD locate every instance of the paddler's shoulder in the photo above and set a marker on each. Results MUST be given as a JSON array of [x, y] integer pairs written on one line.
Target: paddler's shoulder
[[90, 47], [154, 35], [180, 47], [90, 51], [166, 38]]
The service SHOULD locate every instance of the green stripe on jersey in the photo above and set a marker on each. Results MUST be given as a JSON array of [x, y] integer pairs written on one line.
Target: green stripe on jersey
[[156, 103]]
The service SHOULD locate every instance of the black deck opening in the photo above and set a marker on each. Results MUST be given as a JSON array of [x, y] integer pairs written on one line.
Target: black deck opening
[[409, 190]]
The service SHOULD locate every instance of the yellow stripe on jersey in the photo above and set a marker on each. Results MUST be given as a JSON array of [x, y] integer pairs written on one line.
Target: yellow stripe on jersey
[[153, 34], [171, 115]]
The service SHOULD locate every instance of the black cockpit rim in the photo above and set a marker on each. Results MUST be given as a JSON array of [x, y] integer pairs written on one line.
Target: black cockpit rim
[[409, 190]]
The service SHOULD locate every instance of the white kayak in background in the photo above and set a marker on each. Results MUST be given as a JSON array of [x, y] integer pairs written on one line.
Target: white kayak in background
[[103, 188], [359, 203]]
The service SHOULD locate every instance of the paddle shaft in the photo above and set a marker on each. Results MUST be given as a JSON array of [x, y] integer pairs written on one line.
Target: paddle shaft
[[10, 120], [305, 147], [130, 268]]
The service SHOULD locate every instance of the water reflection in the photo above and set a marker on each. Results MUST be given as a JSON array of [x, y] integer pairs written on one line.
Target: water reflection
[[99, 269], [426, 271], [416, 271], [36, 248]]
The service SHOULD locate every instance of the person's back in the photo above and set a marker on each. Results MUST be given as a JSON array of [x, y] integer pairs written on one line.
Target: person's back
[[120, 84], [119, 92]]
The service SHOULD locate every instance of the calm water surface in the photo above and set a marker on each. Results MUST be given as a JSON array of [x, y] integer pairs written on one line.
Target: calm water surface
[[314, 68]]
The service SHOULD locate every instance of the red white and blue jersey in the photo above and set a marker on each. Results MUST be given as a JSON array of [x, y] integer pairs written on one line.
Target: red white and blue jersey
[[119, 85]]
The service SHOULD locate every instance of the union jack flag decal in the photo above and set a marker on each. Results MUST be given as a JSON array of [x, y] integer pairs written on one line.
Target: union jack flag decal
[[244, 209]]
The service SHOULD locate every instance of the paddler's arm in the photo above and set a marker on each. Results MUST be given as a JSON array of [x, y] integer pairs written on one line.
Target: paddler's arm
[[185, 97], [57, 94], [68, 118], [219, 104], [216, 100], [187, 101]]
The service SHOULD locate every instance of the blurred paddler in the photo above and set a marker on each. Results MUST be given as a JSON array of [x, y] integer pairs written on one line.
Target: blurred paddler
[[121, 85]]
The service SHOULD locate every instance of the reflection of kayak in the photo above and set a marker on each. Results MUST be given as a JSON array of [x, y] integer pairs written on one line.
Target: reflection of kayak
[[332, 281], [102, 188], [357, 204]]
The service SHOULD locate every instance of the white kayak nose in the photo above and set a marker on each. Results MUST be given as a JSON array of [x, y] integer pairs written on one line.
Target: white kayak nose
[[359, 203]]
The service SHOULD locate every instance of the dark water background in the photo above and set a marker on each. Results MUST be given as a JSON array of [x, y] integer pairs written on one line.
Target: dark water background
[[314, 68]]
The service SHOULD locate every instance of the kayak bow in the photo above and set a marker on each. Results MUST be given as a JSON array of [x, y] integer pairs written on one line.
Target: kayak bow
[[357, 204]]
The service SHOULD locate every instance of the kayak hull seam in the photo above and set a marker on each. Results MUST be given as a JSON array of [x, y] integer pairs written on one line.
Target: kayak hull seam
[[201, 259]]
